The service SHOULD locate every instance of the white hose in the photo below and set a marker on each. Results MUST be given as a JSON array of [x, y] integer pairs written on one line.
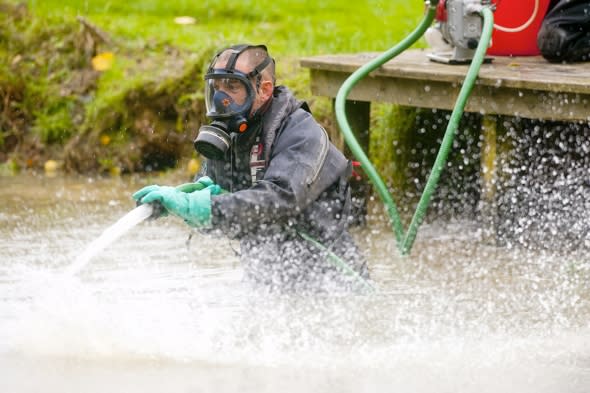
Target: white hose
[[111, 234], [524, 25]]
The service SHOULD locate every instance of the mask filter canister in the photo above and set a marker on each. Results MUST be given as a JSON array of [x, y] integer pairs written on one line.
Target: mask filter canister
[[213, 140]]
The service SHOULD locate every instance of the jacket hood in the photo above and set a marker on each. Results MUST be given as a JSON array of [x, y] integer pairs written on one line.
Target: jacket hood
[[283, 104]]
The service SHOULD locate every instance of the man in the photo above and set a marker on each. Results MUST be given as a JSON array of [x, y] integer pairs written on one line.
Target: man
[[287, 199]]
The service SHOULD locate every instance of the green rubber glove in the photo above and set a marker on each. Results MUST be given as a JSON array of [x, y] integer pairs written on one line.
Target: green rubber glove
[[201, 183], [161, 211], [194, 208]]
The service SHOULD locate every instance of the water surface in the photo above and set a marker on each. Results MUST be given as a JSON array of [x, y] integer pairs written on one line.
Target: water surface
[[157, 313]]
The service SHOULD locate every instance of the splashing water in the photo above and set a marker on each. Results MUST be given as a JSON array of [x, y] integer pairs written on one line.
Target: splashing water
[[111, 234], [153, 315]]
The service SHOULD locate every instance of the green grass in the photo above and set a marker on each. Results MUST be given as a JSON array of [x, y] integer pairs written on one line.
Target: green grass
[[291, 29], [288, 27]]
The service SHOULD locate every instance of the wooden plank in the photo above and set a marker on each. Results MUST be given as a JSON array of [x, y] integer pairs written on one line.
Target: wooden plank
[[527, 72], [533, 89]]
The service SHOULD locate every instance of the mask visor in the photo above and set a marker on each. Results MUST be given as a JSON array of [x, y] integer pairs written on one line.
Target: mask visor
[[227, 94]]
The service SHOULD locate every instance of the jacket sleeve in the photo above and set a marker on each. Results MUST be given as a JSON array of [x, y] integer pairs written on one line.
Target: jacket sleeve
[[302, 165]]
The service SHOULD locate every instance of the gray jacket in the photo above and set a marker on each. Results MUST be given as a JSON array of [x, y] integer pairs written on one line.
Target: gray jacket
[[301, 189]]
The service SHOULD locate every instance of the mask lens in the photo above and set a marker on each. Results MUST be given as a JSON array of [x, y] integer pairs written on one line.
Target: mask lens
[[231, 86], [227, 96]]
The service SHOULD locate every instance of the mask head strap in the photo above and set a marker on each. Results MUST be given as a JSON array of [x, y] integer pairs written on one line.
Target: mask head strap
[[236, 51]]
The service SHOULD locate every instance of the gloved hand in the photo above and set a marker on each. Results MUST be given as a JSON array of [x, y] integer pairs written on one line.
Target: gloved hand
[[161, 211], [194, 208]]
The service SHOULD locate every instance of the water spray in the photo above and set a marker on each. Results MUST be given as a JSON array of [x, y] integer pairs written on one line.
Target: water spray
[[112, 233], [134, 217], [339, 263], [154, 210]]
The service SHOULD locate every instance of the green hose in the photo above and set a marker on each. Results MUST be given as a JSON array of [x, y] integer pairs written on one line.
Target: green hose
[[339, 263], [447, 142], [406, 240]]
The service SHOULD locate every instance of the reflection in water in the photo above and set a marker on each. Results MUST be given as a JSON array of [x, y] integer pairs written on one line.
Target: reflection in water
[[153, 313]]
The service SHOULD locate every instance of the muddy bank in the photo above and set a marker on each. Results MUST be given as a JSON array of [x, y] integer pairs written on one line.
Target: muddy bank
[[73, 93]]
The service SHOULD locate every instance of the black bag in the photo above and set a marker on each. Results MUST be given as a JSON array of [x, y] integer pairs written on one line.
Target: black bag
[[565, 32]]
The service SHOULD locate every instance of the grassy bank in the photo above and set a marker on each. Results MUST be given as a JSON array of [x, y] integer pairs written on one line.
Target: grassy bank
[[58, 105], [289, 27]]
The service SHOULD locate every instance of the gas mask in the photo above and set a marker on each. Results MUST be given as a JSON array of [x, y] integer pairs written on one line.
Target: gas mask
[[229, 96]]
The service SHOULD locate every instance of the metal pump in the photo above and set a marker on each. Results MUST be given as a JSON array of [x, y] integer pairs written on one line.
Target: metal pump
[[457, 31]]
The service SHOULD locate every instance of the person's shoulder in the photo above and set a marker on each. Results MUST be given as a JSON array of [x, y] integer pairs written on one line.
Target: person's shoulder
[[286, 97]]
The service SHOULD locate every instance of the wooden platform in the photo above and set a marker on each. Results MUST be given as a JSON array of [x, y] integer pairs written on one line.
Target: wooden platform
[[527, 87]]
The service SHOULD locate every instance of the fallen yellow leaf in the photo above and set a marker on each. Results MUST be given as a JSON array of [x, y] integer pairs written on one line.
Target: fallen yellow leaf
[[193, 166], [115, 171], [105, 139], [50, 166], [103, 61]]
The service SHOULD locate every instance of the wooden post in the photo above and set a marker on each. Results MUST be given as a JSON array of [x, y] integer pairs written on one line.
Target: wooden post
[[488, 177], [358, 114]]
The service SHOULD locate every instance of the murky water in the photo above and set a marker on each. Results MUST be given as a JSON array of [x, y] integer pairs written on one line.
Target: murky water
[[152, 313]]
